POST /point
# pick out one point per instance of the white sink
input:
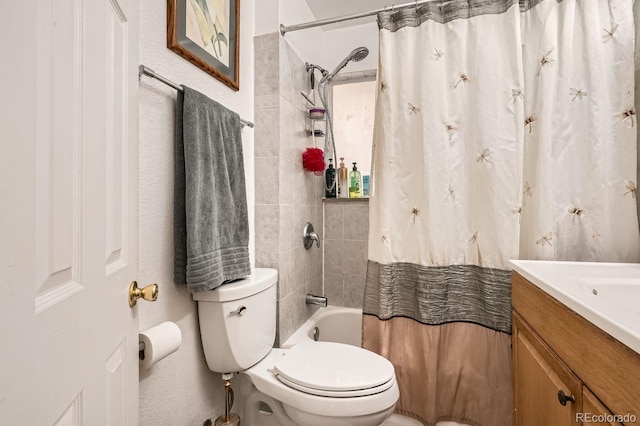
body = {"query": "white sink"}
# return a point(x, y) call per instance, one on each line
point(623, 292)
point(606, 294)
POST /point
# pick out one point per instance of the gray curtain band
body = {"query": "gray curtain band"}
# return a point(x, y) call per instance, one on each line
point(447, 11)
point(436, 295)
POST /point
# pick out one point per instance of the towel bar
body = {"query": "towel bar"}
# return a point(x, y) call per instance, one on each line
point(143, 69)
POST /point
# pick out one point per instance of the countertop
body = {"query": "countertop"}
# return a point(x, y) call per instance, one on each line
point(605, 294)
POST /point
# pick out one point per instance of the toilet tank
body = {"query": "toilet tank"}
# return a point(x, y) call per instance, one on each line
point(238, 321)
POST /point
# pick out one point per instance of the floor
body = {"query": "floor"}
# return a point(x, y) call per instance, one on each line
point(398, 420)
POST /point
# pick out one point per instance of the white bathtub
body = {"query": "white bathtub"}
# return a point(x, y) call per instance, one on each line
point(335, 324)
point(344, 325)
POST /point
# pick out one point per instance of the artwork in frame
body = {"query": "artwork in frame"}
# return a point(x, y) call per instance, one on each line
point(206, 33)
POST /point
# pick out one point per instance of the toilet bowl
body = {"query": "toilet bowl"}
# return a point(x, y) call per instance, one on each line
point(313, 383)
point(321, 383)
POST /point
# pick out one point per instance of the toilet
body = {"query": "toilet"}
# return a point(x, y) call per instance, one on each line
point(312, 383)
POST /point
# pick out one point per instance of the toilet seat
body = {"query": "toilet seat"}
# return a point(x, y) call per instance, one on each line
point(334, 370)
point(263, 377)
point(337, 394)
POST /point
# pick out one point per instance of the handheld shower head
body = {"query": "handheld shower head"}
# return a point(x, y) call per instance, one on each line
point(356, 55)
point(359, 54)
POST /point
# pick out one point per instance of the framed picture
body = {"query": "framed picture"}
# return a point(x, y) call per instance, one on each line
point(205, 32)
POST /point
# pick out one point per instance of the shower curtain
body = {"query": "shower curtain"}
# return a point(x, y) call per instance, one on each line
point(504, 129)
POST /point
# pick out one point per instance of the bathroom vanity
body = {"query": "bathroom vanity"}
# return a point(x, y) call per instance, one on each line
point(576, 343)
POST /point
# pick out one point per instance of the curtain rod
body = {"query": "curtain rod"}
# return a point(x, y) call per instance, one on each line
point(143, 69)
point(321, 22)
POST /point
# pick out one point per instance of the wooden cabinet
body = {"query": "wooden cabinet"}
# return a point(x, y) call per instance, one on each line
point(539, 376)
point(558, 356)
point(594, 411)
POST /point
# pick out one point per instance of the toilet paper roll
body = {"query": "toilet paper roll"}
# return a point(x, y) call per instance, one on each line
point(159, 342)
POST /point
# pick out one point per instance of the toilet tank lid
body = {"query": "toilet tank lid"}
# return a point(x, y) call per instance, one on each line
point(260, 280)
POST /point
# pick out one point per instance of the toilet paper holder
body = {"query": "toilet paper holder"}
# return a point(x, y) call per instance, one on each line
point(141, 351)
point(158, 342)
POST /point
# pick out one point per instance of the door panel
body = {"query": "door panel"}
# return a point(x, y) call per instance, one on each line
point(539, 376)
point(58, 123)
point(69, 228)
point(116, 139)
point(72, 416)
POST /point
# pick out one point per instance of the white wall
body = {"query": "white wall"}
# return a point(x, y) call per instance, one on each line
point(338, 43)
point(353, 115)
point(325, 47)
point(306, 43)
point(179, 390)
point(267, 16)
point(271, 13)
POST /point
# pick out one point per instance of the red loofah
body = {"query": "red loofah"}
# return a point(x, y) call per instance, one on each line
point(313, 160)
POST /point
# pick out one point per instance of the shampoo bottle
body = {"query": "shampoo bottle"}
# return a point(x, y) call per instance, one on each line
point(343, 180)
point(365, 186)
point(355, 183)
point(330, 181)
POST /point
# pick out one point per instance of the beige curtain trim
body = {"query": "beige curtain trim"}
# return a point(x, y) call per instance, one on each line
point(458, 372)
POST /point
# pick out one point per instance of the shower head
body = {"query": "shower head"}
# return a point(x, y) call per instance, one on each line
point(359, 54)
point(356, 55)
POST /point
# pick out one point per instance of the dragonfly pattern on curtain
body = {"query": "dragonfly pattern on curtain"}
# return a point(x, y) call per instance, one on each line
point(512, 136)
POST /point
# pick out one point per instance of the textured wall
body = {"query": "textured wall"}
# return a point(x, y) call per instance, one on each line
point(346, 234)
point(179, 390)
point(286, 195)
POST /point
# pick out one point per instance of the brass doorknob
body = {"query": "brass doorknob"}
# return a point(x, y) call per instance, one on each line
point(149, 293)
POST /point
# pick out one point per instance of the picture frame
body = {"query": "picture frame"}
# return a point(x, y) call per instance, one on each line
point(206, 33)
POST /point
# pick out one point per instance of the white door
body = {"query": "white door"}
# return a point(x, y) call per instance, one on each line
point(68, 212)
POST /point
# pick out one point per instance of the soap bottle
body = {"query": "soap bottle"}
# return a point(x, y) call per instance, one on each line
point(330, 181)
point(365, 186)
point(355, 183)
point(343, 180)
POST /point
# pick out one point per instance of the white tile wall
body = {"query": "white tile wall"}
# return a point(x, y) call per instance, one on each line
point(346, 234)
point(286, 195)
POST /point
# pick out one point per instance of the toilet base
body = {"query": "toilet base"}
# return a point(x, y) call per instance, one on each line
point(284, 415)
point(302, 418)
point(254, 416)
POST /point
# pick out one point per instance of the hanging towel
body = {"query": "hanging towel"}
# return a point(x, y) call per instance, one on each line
point(211, 234)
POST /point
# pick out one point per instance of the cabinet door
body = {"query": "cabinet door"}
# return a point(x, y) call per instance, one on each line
point(539, 376)
point(593, 410)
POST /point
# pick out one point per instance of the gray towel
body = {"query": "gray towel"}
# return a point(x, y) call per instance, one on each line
point(210, 208)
